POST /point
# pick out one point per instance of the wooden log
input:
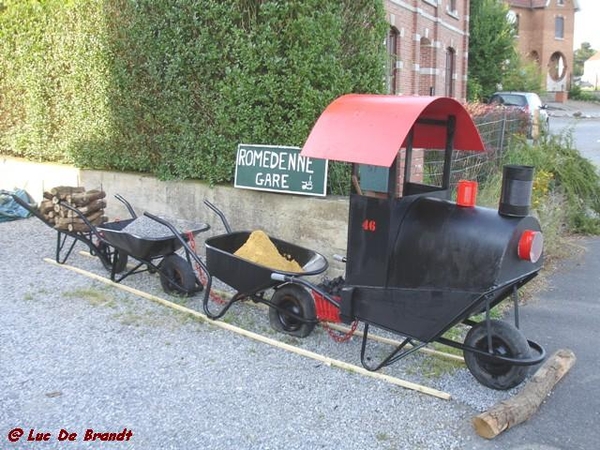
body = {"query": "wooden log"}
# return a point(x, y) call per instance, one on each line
point(60, 211)
point(63, 221)
point(61, 192)
point(47, 195)
point(46, 206)
point(91, 207)
point(522, 406)
point(94, 215)
point(83, 199)
point(82, 227)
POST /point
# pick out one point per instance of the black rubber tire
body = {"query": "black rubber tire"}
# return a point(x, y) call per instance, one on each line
point(177, 276)
point(294, 298)
point(507, 341)
point(112, 256)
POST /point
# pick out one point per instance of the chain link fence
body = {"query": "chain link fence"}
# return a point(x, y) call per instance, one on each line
point(497, 130)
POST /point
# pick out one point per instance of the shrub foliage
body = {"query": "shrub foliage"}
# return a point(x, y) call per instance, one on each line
point(170, 87)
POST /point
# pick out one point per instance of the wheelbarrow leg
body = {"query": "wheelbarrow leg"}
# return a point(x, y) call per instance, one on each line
point(61, 240)
point(515, 299)
point(394, 356)
point(214, 316)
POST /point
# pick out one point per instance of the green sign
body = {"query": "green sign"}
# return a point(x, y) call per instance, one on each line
point(279, 169)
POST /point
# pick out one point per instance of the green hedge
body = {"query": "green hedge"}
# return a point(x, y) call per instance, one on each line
point(170, 87)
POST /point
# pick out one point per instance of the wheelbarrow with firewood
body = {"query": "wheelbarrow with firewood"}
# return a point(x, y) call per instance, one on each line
point(150, 241)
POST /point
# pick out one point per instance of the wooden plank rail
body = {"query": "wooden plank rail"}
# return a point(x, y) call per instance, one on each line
point(260, 338)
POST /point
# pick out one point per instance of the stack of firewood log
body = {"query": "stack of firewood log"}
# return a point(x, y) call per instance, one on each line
point(89, 204)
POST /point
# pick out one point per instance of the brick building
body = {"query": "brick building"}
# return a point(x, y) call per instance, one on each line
point(545, 35)
point(427, 55)
point(428, 47)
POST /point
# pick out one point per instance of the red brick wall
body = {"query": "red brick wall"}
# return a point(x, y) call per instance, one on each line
point(429, 22)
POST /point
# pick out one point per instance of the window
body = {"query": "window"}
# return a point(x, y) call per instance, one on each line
point(557, 68)
point(451, 8)
point(427, 68)
point(534, 56)
point(560, 2)
point(513, 20)
point(450, 68)
point(559, 27)
point(392, 68)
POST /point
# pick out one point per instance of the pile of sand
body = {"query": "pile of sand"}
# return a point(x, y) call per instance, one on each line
point(261, 250)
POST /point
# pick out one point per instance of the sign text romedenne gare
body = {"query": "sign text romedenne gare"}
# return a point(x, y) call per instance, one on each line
point(279, 169)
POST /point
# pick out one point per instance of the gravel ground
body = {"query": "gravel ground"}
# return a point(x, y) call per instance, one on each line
point(77, 354)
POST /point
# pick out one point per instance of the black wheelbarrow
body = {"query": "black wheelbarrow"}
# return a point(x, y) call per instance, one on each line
point(112, 259)
point(114, 245)
point(292, 307)
point(157, 252)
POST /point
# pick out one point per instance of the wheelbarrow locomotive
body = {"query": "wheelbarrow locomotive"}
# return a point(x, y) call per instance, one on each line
point(418, 263)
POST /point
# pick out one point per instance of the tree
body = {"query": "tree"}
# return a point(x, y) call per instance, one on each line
point(491, 47)
point(582, 54)
point(522, 75)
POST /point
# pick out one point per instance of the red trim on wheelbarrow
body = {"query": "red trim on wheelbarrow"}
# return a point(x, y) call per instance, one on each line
point(371, 129)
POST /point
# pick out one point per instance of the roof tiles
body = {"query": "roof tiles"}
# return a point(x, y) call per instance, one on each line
point(528, 3)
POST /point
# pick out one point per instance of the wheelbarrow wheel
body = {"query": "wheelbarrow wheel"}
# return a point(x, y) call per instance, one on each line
point(112, 257)
point(507, 341)
point(177, 276)
point(297, 300)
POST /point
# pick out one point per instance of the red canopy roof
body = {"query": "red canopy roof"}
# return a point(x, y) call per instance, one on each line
point(371, 129)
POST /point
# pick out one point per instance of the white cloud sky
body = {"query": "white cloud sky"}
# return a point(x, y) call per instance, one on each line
point(587, 27)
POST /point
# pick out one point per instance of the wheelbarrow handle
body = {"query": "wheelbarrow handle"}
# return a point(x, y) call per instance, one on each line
point(219, 213)
point(127, 205)
point(82, 217)
point(279, 277)
point(339, 258)
point(30, 208)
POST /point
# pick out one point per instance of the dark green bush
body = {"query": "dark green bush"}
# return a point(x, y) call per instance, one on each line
point(171, 87)
point(571, 175)
point(576, 93)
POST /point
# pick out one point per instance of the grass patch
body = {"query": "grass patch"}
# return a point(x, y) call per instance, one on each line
point(433, 366)
point(382, 436)
point(94, 297)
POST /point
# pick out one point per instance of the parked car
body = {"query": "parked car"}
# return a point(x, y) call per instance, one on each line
point(528, 102)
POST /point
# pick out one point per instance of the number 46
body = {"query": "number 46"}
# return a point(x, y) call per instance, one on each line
point(369, 225)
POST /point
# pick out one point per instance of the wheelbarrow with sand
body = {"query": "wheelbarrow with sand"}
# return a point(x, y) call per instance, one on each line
point(255, 264)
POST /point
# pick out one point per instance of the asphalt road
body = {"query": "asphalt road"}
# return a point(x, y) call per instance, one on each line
point(565, 315)
point(586, 134)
